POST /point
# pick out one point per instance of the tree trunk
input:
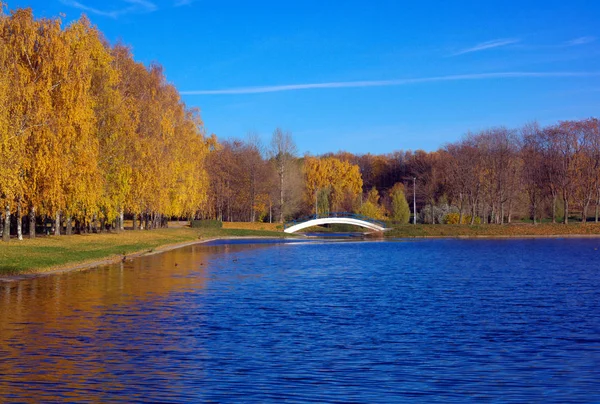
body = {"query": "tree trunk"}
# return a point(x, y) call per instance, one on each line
point(32, 222)
point(135, 221)
point(121, 221)
point(566, 219)
point(432, 215)
point(6, 232)
point(281, 197)
point(57, 224)
point(597, 205)
point(473, 211)
point(252, 198)
point(69, 225)
point(584, 213)
point(19, 222)
point(553, 208)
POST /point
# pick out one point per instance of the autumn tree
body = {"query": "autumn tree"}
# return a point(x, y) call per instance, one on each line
point(533, 167)
point(426, 167)
point(282, 153)
point(341, 178)
point(371, 207)
point(587, 162)
point(400, 211)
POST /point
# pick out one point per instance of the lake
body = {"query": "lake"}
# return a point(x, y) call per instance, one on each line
point(318, 321)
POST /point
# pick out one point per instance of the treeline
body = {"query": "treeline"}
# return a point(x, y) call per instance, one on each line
point(250, 181)
point(497, 175)
point(88, 135)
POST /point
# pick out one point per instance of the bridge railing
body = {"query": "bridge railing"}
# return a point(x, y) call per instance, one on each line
point(348, 215)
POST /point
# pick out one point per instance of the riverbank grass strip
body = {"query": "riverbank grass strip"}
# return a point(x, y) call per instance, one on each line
point(47, 253)
point(496, 231)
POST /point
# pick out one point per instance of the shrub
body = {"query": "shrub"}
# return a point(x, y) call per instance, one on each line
point(371, 210)
point(467, 220)
point(439, 213)
point(452, 218)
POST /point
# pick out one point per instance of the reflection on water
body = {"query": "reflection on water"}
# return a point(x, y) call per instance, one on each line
point(69, 334)
point(251, 321)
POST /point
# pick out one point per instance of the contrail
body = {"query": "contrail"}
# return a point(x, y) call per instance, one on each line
point(487, 45)
point(387, 83)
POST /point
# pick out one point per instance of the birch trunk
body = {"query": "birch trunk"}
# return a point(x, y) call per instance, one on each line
point(69, 225)
point(6, 232)
point(19, 222)
point(281, 196)
point(57, 224)
point(32, 222)
point(597, 205)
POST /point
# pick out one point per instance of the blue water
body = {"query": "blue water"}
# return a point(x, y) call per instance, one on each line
point(358, 321)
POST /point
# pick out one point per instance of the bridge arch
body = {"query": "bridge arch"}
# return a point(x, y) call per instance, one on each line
point(351, 219)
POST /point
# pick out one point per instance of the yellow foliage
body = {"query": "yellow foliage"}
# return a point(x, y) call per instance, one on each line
point(453, 218)
point(340, 176)
point(87, 131)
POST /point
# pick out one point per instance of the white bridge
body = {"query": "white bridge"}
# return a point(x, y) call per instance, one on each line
point(335, 218)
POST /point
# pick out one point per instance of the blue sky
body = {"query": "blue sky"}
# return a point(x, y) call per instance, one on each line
point(362, 76)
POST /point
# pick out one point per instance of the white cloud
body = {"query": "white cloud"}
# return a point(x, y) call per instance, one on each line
point(387, 83)
point(487, 45)
point(580, 41)
point(131, 6)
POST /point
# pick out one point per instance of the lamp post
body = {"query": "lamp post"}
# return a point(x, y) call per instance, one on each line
point(414, 201)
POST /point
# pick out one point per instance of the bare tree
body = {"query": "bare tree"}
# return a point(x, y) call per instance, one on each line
point(563, 139)
point(253, 164)
point(586, 161)
point(533, 167)
point(282, 153)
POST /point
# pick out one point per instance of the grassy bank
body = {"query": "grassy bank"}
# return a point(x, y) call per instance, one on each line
point(253, 226)
point(512, 230)
point(46, 253)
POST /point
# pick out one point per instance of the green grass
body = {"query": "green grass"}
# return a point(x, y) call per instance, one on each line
point(491, 230)
point(45, 253)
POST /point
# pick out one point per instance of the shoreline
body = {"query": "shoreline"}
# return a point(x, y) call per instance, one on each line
point(113, 259)
point(501, 236)
point(87, 265)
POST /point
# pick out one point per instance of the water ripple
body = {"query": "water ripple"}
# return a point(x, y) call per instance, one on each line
point(429, 321)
